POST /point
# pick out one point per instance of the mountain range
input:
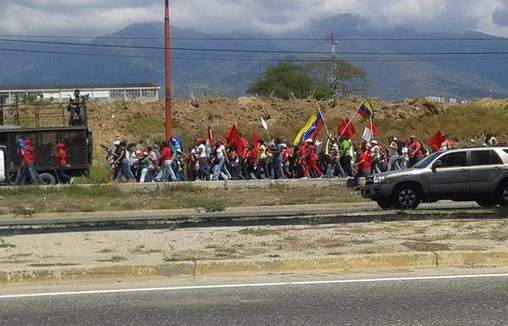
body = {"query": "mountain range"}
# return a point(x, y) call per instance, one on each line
point(399, 63)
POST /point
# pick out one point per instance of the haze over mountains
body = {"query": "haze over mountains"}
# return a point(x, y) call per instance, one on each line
point(399, 63)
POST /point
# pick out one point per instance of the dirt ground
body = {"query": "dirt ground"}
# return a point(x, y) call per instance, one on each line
point(171, 245)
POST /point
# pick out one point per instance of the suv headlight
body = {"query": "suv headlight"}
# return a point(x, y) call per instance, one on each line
point(379, 178)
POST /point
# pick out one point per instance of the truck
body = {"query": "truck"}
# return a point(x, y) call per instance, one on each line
point(78, 146)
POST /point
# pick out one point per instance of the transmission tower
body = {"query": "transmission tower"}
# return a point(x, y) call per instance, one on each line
point(333, 45)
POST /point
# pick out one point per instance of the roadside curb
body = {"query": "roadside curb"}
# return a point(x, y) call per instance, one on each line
point(344, 263)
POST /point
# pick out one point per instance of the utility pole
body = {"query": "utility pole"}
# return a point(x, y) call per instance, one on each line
point(333, 51)
point(167, 37)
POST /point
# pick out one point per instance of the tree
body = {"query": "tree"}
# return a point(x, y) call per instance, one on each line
point(285, 80)
point(342, 77)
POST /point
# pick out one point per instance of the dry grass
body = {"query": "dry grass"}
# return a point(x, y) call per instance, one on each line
point(109, 198)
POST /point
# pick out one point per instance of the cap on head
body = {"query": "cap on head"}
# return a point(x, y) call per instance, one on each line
point(412, 136)
point(309, 140)
point(116, 142)
point(60, 145)
point(283, 145)
point(374, 142)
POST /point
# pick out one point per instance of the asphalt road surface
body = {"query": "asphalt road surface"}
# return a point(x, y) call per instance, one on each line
point(430, 300)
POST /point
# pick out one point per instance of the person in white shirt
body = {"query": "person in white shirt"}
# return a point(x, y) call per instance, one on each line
point(393, 155)
point(202, 157)
point(375, 157)
point(222, 159)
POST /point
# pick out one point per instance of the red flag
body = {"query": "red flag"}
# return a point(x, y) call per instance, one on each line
point(346, 129)
point(209, 135)
point(232, 133)
point(436, 140)
point(373, 129)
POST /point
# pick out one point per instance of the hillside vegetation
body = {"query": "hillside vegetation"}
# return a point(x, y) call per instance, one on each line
point(144, 123)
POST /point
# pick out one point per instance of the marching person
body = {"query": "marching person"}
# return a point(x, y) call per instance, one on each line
point(310, 159)
point(61, 162)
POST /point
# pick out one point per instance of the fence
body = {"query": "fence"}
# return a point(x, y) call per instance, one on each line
point(39, 115)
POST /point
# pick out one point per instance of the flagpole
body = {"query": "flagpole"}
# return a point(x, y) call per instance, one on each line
point(324, 121)
point(351, 120)
point(371, 128)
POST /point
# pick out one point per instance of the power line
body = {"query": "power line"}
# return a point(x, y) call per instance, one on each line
point(249, 51)
point(290, 39)
point(257, 58)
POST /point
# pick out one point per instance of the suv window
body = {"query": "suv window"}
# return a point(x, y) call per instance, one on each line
point(453, 160)
point(485, 157)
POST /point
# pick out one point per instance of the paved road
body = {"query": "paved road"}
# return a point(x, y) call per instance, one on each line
point(435, 300)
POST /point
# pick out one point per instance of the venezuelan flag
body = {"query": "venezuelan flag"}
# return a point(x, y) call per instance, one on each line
point(311, 128)
point(365, 110)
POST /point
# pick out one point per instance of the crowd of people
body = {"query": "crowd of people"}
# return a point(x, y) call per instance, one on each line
point(239, 160)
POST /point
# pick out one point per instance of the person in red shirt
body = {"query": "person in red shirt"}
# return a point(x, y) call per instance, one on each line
point(362, 164)
point(241, 146)
point(310, 158)
point(61, 162)
point(30, 163)
point(415, 152)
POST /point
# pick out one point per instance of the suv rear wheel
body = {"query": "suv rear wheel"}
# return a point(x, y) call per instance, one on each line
point(406, 196)
point(502, 194)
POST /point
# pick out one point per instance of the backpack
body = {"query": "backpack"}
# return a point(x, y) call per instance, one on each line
point(424, 150)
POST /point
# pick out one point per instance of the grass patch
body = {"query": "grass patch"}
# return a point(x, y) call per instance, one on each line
point(425, 246)
point(4, 244)
point(105, 251)
point(114, 259)
point(99, 174)
point(212, 206)
point(258, 232)
point(138, 126)
point(143, 250)
point(22, 210)
point(53, 265)
point(499, 235)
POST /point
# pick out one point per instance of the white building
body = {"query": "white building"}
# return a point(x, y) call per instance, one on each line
point(143, 92)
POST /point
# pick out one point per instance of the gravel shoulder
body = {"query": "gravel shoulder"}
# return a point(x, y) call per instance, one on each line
point(151, 247)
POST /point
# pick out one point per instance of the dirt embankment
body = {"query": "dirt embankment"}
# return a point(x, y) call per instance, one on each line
point(144, 124)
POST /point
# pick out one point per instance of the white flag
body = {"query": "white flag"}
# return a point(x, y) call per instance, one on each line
point(264, 124)
point(367, 135)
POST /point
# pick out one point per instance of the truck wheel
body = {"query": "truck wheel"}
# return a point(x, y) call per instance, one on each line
point(47, 179)
point(384, 203)
point(486, 202)
point(406, 196)
point(502, 194)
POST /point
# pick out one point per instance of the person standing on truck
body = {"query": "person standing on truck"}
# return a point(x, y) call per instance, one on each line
point(61, 163)
point(74, 108)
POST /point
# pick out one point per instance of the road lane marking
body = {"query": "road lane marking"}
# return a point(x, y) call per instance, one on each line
point(251, 285)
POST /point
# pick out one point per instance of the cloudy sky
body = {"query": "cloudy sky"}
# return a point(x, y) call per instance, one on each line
point(99, 17)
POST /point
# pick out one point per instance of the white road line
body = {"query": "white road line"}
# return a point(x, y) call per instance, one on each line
point(248, 285)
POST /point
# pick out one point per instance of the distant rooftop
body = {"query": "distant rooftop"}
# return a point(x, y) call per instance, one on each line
point(77, 86)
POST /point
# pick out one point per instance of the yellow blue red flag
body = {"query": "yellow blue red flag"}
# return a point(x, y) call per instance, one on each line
point(365, 110)
point(311, 128)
